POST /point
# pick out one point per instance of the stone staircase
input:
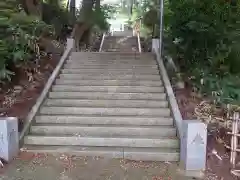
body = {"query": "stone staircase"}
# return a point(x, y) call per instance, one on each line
point(123, 33)
point(120, 44)
point(107, 104)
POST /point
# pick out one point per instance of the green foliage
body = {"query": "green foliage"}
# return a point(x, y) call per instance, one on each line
point(224, 89)
point(98, 18)
point(204, 37)
point(18, 38)
point(207, 45)
point(150, 18)
point(109, 10)
point(207, 26)
point(136, 14)
point(101, 16)
point(55, 14)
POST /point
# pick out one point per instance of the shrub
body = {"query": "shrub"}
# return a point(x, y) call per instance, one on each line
point(18, 38)
point(208, 44)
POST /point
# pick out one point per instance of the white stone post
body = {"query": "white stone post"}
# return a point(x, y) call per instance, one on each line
point(71, 44)
point(9, 138)
point(193, 145)
point(155, 45)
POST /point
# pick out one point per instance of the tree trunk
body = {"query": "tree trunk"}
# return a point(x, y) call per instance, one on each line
point(131, 7)
point(97, 5)
point(73, 11)
point(84, 22)
point(33, 7)
point(86, 11)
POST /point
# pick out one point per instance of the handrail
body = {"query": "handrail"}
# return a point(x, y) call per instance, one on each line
point(139, 43)
point(103, 37)
point(137, 28)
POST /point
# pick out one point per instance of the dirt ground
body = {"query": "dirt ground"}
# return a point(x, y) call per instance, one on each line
point(18, 97)
point(62, 167)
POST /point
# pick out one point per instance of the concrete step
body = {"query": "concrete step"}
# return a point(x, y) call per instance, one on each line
point(106, 95)
point(110, 65)
point(130, 49)
point(99, 68)
point(101, 141)
point(107, 54)
point(110, 55)
point(110, 89)
point(104, 62)
point(110, 48)
point(90, 111)
point(110, 77)
point(102, 131)
point(137, 154)
point(108, 83)
point(105, 103)
point(96, 73)
point(125, 47)
point(114, 59)
point(120, 43)
point(105, 120)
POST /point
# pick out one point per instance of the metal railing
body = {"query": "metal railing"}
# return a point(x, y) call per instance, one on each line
point(139, 43)
point(101, 45)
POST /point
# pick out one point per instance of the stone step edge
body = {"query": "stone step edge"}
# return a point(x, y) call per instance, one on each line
point(162, 142)
point(147, 83)
point(112, 76)
point(116, 89)
point(111, 66)
point(75, 125)
point(63, 110)
point(114, 120)
point(158, 95)
point(103, 131)
point(137, 154)
point(79, 71)
point(98, 68)
point(102, 128)
point(104, 53)
point(101, 62)
point(137, 60)
point(150, 132)
point(105, 103)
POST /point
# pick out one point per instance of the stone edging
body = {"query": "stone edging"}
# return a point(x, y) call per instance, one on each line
point(170, 94)
point(192, 153)
point(31, 115)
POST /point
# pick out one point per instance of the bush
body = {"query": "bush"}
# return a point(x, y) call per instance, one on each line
point(19, 36)
point(208, 44)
